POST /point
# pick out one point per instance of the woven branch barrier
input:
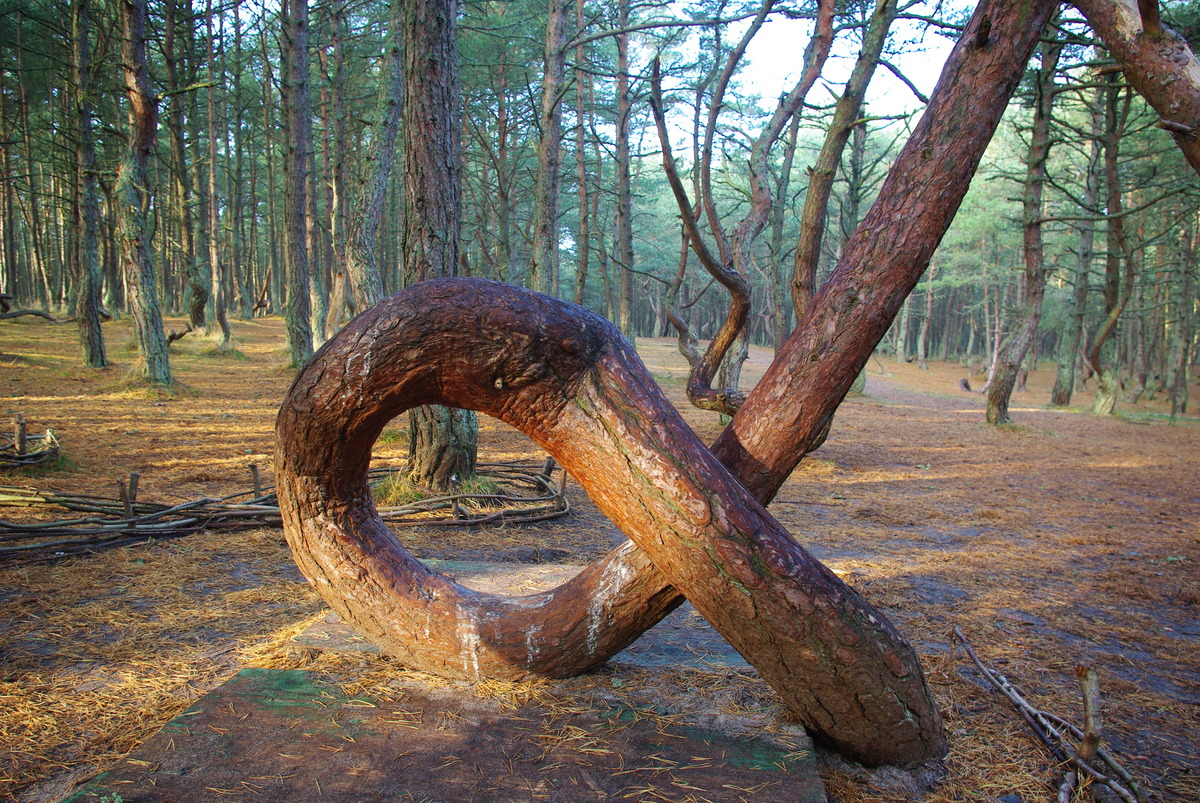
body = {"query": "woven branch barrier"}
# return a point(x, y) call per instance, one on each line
point(526, 493)
point(19, 449)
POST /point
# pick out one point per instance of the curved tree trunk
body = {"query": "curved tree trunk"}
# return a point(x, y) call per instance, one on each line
point(1158, 63)
point(571, 382)
point(1117, 291)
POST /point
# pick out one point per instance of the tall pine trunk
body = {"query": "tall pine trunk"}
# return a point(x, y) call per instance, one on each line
point(443, 442)
point(624, 212)
point(543, 268)
point(1117, 290)
point(218, 268)
point(362, 261)
point(1008, 361)
point(1182, 321)
point(133, 193)
point(297, 308)
point(91, 337)
point(1069, 343)
point(197, 294)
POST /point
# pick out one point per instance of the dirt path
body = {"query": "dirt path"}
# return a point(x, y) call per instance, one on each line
point(1063, 539)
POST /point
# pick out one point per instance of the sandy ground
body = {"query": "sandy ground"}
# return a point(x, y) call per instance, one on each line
point(1063, 539)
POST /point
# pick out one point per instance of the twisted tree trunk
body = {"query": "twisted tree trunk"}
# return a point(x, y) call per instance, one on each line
point(839, 667)
point(573, 383)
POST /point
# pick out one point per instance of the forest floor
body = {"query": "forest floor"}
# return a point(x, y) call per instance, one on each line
point(1063, 539)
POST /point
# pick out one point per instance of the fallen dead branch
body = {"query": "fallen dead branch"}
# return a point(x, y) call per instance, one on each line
point(1086, 758)
point(173, 335)
point(20, 313)
point(525, 494)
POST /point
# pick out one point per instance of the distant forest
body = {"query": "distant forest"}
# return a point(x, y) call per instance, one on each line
point(620, 156)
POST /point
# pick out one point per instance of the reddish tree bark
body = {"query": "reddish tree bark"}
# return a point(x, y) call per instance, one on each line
point(573, 383)
point(1158, 63)
point(886, 255)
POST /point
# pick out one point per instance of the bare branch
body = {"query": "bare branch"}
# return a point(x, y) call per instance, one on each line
point(4, 316)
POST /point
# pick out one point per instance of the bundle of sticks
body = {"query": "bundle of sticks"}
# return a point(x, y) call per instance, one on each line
point(1077, 749)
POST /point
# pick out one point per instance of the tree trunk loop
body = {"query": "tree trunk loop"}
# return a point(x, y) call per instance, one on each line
point(571, 382)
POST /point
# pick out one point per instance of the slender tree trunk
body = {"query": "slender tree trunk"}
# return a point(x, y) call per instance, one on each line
point(995, 335)
point(1117, 253)
point(624, 212)
point(1183, 320)
point(780, 309)
point(443, 442)
point(218, 268)
point(582, 81)
point(926, 320)
point(340, 276)
point(276, 272)
point(318, 252)
point(133, 190)
point(242, 238)
point(1069, 343)
point(902, 327)
point(30, 206)
point(362, 262)
point(1008, 361)
point(87, 205)
point(543, 268)
point(297, 309)
point(13, 274)
point(845, 115)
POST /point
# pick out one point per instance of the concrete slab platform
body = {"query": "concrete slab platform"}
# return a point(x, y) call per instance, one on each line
point(683, 639)
point(277, 735)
